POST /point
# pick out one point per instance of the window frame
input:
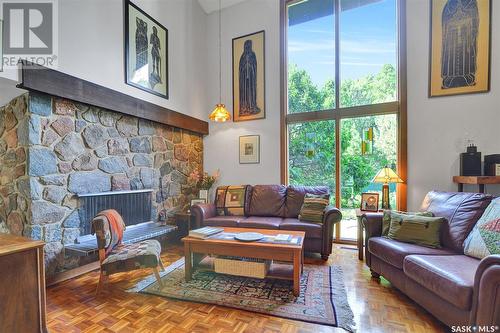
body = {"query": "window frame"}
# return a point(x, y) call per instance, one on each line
point(398, 107)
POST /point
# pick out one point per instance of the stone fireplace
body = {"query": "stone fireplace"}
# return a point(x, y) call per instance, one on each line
point(53, 149)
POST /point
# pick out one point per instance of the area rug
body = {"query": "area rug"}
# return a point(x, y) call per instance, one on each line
point(322, 299)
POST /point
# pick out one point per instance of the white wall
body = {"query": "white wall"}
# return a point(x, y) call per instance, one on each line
point(222, 145)
point(91, 40)
point(438, 128)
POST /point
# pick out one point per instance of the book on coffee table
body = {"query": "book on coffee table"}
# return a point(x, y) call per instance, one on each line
point(205, 232)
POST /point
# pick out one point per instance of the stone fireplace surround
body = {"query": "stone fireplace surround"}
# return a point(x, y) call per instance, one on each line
point(52, 149)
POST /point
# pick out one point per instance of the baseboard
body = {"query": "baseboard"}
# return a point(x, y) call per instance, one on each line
point(72, 273)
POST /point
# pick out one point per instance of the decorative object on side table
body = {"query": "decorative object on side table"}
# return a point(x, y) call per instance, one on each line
point(249, 77)
point(460, 47)
point(492, 165)
point(369, 202)
point(385, 176)
point(198, 201)
point(470, 161)
point(250, 149)
point(146, 51)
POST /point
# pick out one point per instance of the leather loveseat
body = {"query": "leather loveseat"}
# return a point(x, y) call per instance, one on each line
point(276, 207)
point(455, 288)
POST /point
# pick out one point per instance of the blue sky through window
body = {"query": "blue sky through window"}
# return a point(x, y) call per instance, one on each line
point(367, 42)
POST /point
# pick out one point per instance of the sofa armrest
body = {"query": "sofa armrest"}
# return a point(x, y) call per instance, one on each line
point(372, 223)
point(202, 212)
point(331, 216)
point(486, 302)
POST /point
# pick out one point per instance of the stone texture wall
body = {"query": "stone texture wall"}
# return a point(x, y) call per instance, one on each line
point(14, 192)
point(73, 148)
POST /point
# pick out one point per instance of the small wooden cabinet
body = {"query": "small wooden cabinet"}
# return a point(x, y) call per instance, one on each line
point(22, 285)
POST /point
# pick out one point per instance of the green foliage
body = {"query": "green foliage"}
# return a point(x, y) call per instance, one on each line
point(312, 144)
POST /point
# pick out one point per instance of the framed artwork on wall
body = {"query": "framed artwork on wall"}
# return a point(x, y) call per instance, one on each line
point(146, 51)
point(249, 89)
point(250, 149)
point(460, 49)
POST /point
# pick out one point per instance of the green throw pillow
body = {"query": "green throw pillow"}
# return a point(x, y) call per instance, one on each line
point(386, 219)
point(313, 208)
point(484, 239)
point(421, 230)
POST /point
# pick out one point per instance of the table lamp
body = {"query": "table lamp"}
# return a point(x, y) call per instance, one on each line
point(385, 176)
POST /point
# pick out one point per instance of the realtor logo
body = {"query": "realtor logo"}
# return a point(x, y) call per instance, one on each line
point(29, 32)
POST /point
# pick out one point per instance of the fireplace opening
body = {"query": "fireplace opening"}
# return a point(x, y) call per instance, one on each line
point(134, 206)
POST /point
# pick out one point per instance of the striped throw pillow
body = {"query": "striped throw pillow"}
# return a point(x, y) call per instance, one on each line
point(313, 207)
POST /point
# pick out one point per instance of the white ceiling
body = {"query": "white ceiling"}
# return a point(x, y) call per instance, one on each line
point(210, 6)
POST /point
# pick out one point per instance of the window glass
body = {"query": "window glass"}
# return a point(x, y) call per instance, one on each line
point(368, 52)
point(311, 150)
point(311, 56)
point(367, 145)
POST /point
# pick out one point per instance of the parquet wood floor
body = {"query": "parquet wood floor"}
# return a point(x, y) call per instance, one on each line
point(73, 307)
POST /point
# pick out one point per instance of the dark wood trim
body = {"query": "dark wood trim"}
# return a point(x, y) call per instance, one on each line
point(52, 82)
point(283, 94)
point(402, 188)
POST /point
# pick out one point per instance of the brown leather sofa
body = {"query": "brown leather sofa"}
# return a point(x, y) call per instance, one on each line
point(457, 289)
point(277, 207)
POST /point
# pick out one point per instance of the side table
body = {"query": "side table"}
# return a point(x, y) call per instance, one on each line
point(184, 222)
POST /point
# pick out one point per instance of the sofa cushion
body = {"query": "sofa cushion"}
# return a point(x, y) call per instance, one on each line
point(449, 277)
point(268, 200)
point(484, 239)
point(223, 221)
point(312, 230)
point(461, 211)
point(232, 200)
point(421, 230)
point(313, 208)
point(394, 252)
point(261, 222)
point(295, 197)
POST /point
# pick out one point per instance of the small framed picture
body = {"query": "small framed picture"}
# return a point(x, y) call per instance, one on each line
point(198, 201)
point(369, 202)
point(250, 149)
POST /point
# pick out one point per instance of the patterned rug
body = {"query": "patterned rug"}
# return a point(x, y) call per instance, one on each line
point(322, 299)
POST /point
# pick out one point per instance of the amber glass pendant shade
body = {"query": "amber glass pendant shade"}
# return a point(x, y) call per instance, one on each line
point(220, 114)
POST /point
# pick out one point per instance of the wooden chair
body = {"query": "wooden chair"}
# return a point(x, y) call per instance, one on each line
point(115, 257)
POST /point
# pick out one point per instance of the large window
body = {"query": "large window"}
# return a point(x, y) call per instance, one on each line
point(342, 120)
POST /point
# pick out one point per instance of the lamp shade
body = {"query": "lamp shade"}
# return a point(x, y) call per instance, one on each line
point(387, 175)
point(220, 114)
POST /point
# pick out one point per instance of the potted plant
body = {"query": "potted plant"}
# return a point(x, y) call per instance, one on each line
point(202, 182)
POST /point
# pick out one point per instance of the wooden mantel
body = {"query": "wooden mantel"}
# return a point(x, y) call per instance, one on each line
point(49, 81)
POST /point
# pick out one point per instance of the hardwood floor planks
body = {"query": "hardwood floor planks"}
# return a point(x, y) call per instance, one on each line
point(73, 307)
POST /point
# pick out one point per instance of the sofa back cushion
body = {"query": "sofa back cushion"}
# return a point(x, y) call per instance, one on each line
point(295, 197)
point(268, 200)
point(461, 211)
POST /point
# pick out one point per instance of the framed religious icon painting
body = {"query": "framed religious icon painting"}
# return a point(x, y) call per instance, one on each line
point(249, 101)
point(250, 149)
point(146, 51)
point(369, 202)
point(460, 49)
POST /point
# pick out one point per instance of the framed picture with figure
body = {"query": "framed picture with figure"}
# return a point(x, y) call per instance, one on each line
point(250, 149)
point(369, 202)
point(249, 89)
point(146, 51)
point(460, 49)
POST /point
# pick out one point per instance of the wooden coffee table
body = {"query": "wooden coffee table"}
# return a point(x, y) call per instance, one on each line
point(196, 249)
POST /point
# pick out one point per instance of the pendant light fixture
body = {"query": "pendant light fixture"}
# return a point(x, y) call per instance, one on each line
point(220, 113)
